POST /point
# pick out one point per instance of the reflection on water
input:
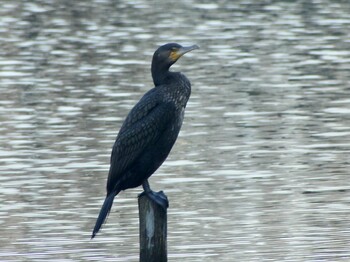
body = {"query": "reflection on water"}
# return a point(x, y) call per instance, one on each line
point(260, 170)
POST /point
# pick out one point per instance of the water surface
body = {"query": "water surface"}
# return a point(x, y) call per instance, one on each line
point(260, 170)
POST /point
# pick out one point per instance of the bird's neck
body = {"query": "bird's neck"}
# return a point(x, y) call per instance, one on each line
point(165, 78)
point(160, 74)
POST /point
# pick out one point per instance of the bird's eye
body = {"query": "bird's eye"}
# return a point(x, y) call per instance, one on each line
point(173, 49)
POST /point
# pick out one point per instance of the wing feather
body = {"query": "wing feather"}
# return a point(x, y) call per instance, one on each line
point(143, 126)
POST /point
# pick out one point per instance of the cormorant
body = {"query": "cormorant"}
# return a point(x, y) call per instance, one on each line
point(149, 131)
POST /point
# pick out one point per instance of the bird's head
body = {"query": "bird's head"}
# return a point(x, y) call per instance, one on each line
point(166, 55)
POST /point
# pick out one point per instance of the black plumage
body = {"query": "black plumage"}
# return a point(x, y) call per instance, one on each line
point(149, 131)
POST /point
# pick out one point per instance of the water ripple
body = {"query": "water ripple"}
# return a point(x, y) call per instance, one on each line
point(260, 169)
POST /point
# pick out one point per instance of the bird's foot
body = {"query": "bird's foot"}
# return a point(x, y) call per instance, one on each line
point(158, 197)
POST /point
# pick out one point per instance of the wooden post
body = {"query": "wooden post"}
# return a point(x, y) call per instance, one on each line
point(153, 231)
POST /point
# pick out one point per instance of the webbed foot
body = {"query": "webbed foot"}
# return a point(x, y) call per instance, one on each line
point(158, 197)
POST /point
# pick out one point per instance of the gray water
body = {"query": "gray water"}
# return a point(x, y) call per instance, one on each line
point(260, 169)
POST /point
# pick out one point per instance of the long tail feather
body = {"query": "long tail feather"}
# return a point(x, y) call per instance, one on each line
point(106, 207)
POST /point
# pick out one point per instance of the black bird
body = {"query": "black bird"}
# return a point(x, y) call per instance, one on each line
point(149, 131)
